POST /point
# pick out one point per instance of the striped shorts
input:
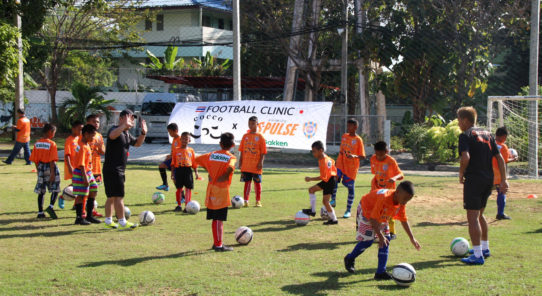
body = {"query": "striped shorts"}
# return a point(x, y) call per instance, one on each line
point(44, 176)
point(79, 187)
point(364, 228)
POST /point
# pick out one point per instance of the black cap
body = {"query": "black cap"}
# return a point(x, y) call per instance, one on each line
point(126, 112)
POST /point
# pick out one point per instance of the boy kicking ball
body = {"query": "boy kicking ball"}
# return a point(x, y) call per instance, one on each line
point(374, 211)
point(328, 173)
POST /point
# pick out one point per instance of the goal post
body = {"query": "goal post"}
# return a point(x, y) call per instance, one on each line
point(521, 116)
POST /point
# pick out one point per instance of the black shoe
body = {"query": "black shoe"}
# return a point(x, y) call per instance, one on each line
point(73, 208)
point(51, 213)
point(41, 216)
point(81, 221)
point(4, 161)
point(382, 276)
point(185, 211)
point(91, 219)
point(503, 217)
point(349, 264)
point(331, 222)
point(28, 163)
point(224, 248)
point(309, 212)
point(178, 209)
point(393, 236)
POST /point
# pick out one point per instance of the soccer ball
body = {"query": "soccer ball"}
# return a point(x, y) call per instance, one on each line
point(403, 274)
point(67, 193)
point(301, 218)
point(158, 198)
point(192, 207)
point(237, 202)
point(459, 246)
point(324, 214)
point(127, 213)
point(146, 218)
point(244, 235)
point(513, 152)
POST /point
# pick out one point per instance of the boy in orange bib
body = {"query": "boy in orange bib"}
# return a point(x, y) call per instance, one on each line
point(253, 150)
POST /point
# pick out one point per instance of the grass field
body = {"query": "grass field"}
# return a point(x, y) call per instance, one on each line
point(173, 257)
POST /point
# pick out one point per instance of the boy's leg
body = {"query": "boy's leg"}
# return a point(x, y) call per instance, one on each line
point(178, 194)
point(109, 213)
point(329, 209)
point(79, 201)
point(365, 236)
point(16, 148)
point(246, 191)
point(349, 184)
point(334, 193)
point(40, 205)
point(501, 203)
point(90, 208)
point(383, 253)
point(163, 174)
point(218, 229)
point(258, 189)
point(26, 148)
point(312, 198)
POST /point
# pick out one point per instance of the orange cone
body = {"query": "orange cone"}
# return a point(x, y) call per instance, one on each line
point(531, 196)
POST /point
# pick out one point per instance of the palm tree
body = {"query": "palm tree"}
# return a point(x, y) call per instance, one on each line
point(86, 100)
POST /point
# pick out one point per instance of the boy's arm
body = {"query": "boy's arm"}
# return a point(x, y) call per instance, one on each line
point(382, 240)
point(308, 179)
point(259, 166)
point(68, 162)
point(406, 227)
point(52, 176)
point(463, 164)
point(240, 157)
point(503, 187)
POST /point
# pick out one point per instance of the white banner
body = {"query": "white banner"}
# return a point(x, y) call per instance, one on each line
point(290, 125)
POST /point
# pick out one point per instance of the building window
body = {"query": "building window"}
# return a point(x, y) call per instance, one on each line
point(148, 25)
point(160, 22)
point(221, 24)
point(206, 20)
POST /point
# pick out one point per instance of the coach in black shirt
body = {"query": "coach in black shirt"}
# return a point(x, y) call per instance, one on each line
point(119, 141)
point(477, 148)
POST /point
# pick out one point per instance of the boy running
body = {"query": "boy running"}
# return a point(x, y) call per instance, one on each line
point(183, 160)
point(220, 165)
point(327, 178)
point(252, 150)
point(374, 211)
point(69, 152)
point(500, 137)
point(352, 150)
point(44, 155)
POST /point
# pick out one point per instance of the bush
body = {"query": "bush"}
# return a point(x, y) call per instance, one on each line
point(434, 141)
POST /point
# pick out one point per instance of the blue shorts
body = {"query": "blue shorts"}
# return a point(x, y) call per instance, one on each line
point(167, 163)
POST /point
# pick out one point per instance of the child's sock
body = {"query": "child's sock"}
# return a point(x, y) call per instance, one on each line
point(108, 220)
point(485, 245)
point(78, 210)
point(360, 248)
point(477, 251)
point(312, 197)
point(188, 196)
point(332, 215)
point(40, 203)
point(122, 222)
point(217, 232)
point(53, 199)
point(178, 196)
point(351, 195)
point(383, 258)
point(501, 202)
point(246, 192)
point(258, 189)
point(334, 192)
point(90, 207)
point(163, 174)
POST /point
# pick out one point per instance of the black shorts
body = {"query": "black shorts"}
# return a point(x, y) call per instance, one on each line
point(184, 178)
point(220, 214)
point(328, 186)
point(476, 191)
point(247, 177)
point(114, 183)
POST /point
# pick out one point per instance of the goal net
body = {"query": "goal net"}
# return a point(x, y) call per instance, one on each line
point(522, 117)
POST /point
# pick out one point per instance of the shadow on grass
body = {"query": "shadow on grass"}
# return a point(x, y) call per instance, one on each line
point(33, 227)
point(330, 282)
point(136, 260)
point(534, 231)
point(315, 246)
point(277, 225)
point(45, 234)
point(459, 223)
point(17, 213)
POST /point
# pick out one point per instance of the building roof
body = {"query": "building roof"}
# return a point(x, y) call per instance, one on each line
point(216, 4)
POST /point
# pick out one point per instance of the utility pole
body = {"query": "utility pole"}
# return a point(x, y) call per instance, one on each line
point(291, 78)
point(19, 82)
point(236, 52)
point(533, 89)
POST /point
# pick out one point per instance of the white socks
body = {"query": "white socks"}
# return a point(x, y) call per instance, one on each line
point(313, 202)
point(477, 251)
point(332, 215)
point(485, 245)
point(108, 220)
point(122, 222)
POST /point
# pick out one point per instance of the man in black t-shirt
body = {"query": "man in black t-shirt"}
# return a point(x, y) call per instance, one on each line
point(477, 147)
point(119, 141)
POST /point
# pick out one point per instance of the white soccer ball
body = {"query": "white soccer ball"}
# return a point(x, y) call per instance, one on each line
point(192, 207)
point(127, 213)
point(67, 193)
point(513, 152)
point(146, 218)
point(158, 198)
point(459, 246)
point(403, 274)
point(237, 202)
point(244, 235)
point(324, 214)
point(301, 218)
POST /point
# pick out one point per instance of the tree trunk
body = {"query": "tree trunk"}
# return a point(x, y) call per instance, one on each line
point(381, 111)
point(352, 104)
point(419, 111)
point(52, 96)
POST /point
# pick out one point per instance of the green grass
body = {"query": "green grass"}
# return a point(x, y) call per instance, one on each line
point(173, 257)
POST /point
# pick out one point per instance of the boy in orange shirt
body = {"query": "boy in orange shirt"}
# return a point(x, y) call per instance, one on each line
point(84, 184)
point(220, 165)
point(386, 172)
point(253, 150)
point(69, 151)
point(98, 149)
point(352, 150)
point(22, 140)
point(500, 137)
point(374, 211)
point(183, 160)
point(44, 155)
point(328, 181)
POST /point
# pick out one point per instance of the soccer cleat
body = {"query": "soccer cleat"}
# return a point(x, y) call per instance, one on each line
point(258, 204)
point(185, 211)
point(91, 219)
point(393, 236)
point(349, 264)
point(503, 217)
point(61, 203)
point(5, 161)
point(178, 209)
point(163, 187)
point(51, 213)
point(473, 260)
point(347, 214)
point(331, 222)
point(382, 276)
point(128, 226)
point(41, 216)
point(96, 214)
point(308, 212)
point(485, 253)
point(246, 204)
point(81, 221)
point(113, 225)
point(224, 248)
point(332, 203)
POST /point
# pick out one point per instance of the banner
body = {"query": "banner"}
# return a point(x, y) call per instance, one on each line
point(288, 125)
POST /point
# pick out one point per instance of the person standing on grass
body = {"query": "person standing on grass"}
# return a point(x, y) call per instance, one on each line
point(119, 141)
point(500, 138)
point(69, 151)
point(253, 150)
point(183, 162)
point(98, 149)
point(477, 147)
point(22, 140)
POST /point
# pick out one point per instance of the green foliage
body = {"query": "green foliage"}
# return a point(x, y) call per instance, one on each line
point(88, 68)
point(170, 65)
point(86, 100)
point(434, 141)
point(9, 54)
